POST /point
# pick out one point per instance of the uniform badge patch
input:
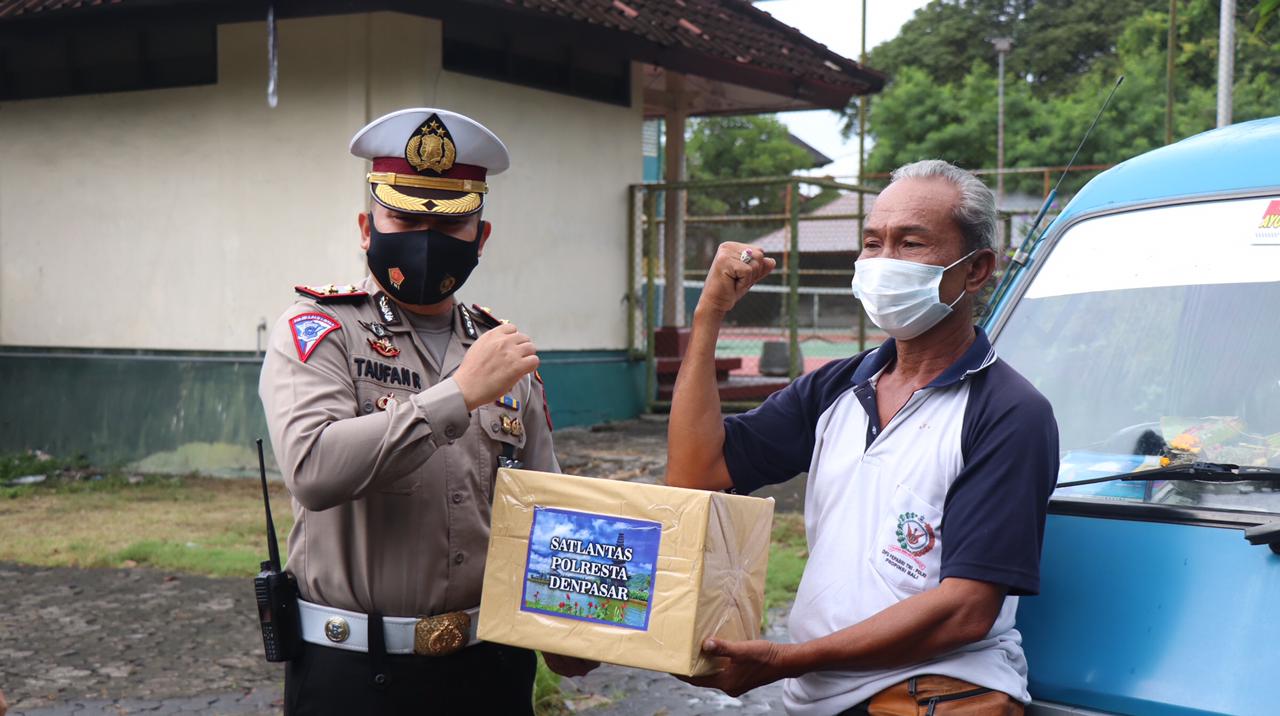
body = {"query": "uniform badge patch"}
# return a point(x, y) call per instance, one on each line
point(377, 329)
point(915, 534)
point(383, 347)
point(396, 276)
point(309, 329)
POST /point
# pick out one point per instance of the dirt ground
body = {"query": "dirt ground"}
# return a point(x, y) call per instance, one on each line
point(117, 641)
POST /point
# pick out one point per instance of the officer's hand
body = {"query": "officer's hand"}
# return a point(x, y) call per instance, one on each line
point(568, 665)
point(730, 277)
point(493, 364)
point(4, 705)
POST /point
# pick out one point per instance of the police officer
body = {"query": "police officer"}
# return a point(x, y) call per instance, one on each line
point(390, 407)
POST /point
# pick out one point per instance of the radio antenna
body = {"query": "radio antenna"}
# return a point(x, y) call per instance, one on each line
point(1019, 258)
point(273, 549)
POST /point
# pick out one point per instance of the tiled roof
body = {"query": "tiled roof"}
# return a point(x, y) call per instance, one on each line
point(733, 34)
point(14, 8)
point(732, 30)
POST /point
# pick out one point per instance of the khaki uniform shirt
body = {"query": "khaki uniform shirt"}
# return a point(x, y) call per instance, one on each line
point(391, 477)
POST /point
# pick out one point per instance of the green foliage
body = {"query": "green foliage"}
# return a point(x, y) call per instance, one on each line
point(736, 148)
point(942, 99)
point(547, 699)
point(788, 552)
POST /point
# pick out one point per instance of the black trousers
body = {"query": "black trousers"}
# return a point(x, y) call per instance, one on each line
point(482, 679)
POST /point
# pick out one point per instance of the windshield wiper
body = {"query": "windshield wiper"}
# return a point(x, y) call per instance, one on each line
point(1202, 471)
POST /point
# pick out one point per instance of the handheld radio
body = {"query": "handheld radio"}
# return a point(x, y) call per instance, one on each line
point(276, 591)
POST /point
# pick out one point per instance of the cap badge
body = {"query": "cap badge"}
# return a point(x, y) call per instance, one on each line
point(396, 276)
point(431, 147)
point(447, 284)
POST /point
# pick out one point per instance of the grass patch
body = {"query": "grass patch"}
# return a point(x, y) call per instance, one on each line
point(547, 699)
point(195, 525)
point(82, 518)
point(788, 552)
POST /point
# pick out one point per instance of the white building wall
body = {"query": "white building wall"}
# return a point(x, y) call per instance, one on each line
point(178, 219)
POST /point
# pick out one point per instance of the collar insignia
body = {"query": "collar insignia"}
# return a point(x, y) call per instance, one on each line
point(431, 148)
point(387, 309)
point(468, 324)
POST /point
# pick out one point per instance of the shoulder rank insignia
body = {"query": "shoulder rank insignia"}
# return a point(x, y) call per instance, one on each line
point(508, 401)
point(309, 329)
point(332, 292)
point(468, 323)
point(383, 347)
point(485, 316)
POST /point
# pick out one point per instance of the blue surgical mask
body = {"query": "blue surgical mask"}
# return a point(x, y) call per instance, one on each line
point(901, 297)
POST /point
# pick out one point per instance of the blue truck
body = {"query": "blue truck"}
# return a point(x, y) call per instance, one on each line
point(1149, 314)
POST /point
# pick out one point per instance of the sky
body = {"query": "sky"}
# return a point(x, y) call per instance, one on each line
point(838, 25)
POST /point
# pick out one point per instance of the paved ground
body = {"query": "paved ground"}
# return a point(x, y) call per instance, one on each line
point(121, 641)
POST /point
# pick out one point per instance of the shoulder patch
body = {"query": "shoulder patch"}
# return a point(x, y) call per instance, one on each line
point(309, 329)
point(485, 316)
point(332, 292)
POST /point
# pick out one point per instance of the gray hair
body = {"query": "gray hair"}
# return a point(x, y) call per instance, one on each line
point(975, 213)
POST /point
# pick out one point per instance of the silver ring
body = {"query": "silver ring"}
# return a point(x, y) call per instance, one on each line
point(745, 256)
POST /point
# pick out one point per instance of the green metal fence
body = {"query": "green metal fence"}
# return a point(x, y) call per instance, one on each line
point(803, 314)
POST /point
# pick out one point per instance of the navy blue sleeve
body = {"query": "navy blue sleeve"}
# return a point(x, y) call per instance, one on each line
point(774, 442)
point(993, 518)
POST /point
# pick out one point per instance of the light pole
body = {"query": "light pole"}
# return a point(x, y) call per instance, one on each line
point(1003, 45)
point(1226, 60)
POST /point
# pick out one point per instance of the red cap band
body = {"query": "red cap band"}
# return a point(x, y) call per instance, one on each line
point(398, 165)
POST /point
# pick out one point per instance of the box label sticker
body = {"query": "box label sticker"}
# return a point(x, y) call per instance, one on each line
point(591, 567)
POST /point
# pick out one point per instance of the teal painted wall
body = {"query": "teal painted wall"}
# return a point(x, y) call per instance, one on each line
point(184, 412)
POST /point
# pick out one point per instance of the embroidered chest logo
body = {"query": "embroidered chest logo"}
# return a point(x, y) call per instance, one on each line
point(308, 330)
point(915, 534)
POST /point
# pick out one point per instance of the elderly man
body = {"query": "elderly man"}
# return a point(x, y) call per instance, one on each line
point(391, 405)
point(930, 465)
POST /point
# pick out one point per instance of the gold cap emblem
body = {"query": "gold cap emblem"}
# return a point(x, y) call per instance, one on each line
point(431, 148)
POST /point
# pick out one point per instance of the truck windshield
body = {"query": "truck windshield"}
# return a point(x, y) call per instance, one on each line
point(1156, 336)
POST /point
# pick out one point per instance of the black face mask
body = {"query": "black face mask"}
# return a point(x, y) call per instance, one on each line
point(421, 267)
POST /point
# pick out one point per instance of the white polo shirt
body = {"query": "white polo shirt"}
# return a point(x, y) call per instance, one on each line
point(956, 485)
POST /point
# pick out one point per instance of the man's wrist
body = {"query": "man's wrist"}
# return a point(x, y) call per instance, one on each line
point(703, 313)
point(791, 661)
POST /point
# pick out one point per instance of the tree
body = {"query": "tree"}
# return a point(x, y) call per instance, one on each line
point(941, 111)
point(736, 148)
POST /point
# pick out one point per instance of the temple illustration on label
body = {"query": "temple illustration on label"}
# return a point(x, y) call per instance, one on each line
point(592, 567)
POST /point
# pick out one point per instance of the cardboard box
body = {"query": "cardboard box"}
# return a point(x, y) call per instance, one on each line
point(625, 573)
